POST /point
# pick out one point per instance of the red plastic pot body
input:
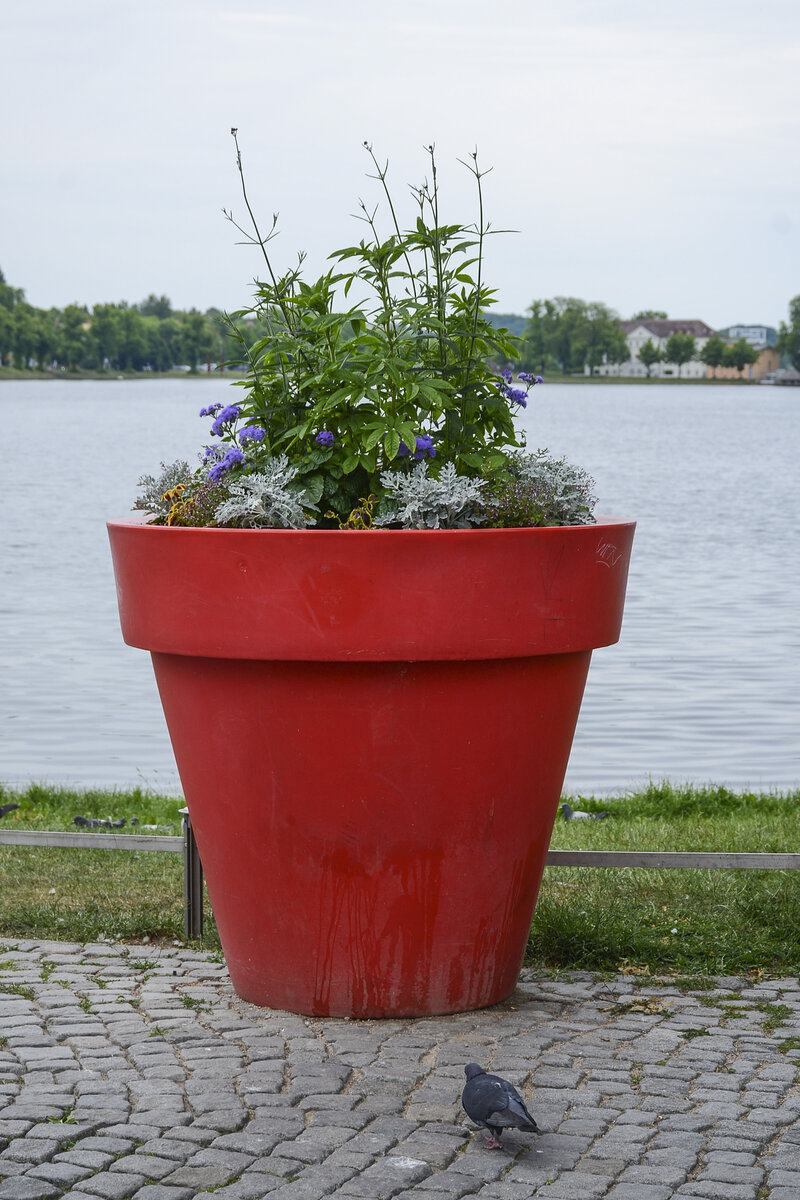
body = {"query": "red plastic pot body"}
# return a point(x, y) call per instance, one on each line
point(372, 730)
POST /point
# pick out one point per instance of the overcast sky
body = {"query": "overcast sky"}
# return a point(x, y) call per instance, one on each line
point(647, 153)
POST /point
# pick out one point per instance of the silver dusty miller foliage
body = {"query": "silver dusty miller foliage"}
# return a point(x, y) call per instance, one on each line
point(417, 501)
point(267, 499)
point(154, 487)
point(564, 492)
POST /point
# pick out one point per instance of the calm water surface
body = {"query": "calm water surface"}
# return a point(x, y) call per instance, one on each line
point(704, 684)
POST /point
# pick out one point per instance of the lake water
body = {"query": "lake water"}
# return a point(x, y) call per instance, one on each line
point(704, 685)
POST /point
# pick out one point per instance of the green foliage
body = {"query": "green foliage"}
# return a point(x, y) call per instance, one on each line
point(789, 334)
point(739, 354)
point(680, 349)
point(150, 336)
point(384, 353)
point(568, 334)
point(649, 355)
point(649, 314)
point(713, 353)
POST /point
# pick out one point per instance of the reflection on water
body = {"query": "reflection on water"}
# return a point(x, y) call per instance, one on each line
point(701, 687)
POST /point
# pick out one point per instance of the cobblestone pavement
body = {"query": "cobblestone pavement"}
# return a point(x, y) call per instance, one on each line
point(134, 1071)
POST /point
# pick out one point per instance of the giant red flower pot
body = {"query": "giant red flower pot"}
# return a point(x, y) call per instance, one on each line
point(372, 730)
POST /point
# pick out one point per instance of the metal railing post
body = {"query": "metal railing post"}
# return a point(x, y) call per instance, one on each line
point(192, 881)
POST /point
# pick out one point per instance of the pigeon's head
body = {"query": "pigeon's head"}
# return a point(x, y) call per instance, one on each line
point(472, 1069)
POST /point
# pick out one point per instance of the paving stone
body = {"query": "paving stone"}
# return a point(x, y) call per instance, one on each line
point(385, 1178)
point(639, 1191)
point(575, 1186)
point(788, 1179)
point(27, 1188)
point(112, 1186)
point(60, 1173)
point(206, 1106)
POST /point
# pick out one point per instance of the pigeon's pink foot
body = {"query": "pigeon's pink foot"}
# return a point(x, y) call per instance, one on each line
point(492, 1143)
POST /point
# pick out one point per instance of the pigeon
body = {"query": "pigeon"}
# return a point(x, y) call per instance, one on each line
point(575, 814)
point(5, 809)
point(97, 823)
point(492, 1102)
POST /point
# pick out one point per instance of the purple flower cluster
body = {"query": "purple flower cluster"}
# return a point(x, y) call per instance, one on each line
point(231, 412)
point(211, 411)
point(324, 438)
point(517, 395)
point(222, 460)
point(423, 448)
point(252, 433)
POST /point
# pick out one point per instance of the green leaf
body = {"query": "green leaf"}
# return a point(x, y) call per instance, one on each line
point(313, 485)
point(392, 444)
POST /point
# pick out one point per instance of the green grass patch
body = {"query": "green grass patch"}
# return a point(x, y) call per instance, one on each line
point(689, 924)
point(82, 895)
point(693, 923)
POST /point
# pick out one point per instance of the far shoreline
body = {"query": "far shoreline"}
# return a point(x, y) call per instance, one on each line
point(10, 375)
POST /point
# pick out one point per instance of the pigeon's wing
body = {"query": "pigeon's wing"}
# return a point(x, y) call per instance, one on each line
point(515, 1114)
point(482, 1097)
point(512, 1112)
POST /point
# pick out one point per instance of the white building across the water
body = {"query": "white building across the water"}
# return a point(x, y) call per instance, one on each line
point(659, 330)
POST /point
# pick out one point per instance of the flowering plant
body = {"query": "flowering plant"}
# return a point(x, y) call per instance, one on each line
point(369, 399)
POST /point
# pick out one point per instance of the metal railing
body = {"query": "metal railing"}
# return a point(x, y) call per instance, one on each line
point(193, 868)
point(185, 845)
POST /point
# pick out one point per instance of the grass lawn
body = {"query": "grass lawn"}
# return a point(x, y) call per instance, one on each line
point(685, 922)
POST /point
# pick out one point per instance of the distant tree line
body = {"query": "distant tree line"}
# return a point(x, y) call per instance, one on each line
point(789, 334)
point(566, 335)
point(563, 335)
point(150, 336)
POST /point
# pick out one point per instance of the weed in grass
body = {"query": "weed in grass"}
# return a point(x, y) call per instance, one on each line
point(197, 1005)
point(694, 983)
point(689, 1034)
point(66, 1118)
point(8, 966)
point(157, 1031)
point(86, 1004)
point(3, 1040)
point(790, 1043)
point(68, 1145)
point(101, 983)
point(18, 989)
point(776, 1015)
point(46, 971)
point(734, 1012)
